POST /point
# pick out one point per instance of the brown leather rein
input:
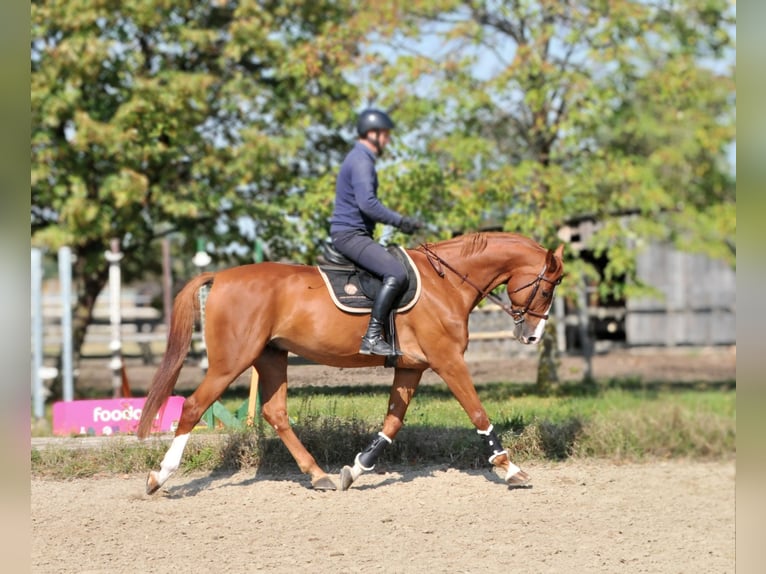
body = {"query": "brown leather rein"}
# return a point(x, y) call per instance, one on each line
point(516, 314)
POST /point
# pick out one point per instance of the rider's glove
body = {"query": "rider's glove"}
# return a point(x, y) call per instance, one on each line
point(410, 225)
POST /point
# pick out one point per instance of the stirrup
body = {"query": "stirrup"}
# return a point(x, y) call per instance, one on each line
point(377, 346)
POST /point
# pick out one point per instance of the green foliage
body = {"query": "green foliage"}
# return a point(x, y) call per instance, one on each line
point(152, 118)
point(226, 121)
point(544, 112)
point(156, 119)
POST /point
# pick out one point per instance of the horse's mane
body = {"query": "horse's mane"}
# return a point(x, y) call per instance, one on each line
point(476, 242)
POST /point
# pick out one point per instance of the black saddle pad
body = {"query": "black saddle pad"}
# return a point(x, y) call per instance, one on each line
point(353, 289)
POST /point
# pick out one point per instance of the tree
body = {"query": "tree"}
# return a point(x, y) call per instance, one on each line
point(536, 113)
point(184, 118)
point(187, 118)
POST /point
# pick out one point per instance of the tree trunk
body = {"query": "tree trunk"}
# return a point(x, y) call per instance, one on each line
point(586, 342)
point(548, 363)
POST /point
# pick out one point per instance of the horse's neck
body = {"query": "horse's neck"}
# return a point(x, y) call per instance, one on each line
point(488, 260)
point(493, 256)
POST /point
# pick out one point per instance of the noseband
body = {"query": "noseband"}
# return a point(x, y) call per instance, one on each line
point(516, 314)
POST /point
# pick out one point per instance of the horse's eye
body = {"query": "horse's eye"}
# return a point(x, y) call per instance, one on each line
point(546, 294)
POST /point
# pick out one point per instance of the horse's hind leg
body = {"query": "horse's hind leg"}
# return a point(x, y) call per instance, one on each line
point(215, 382)
point(272, 372)
point(402, 391)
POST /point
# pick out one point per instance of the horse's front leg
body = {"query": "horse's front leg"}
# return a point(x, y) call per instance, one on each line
point(455, 373)
point(402, 391)
point(272, 371)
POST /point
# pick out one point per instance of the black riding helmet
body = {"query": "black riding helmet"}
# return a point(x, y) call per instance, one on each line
point(372, 119)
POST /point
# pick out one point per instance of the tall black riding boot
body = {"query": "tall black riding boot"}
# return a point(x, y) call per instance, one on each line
point(373, 342)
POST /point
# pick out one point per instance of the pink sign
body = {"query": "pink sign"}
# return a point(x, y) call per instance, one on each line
point(111, 416)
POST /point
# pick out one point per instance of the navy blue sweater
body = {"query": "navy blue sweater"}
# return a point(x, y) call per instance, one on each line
point(356, 195)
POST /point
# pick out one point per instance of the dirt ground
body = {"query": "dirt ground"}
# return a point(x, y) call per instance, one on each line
point(579, 516)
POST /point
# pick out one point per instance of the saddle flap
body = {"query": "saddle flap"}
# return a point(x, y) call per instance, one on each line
point(353, 289)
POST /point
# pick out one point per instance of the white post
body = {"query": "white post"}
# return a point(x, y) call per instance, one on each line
point(201, 260)
point(203, 361)
point(38, 393)
point(561, 324)
point(65, 279)
point(115, 317)
point(167, 283)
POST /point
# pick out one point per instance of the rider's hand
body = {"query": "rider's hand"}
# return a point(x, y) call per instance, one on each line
point(410, 225)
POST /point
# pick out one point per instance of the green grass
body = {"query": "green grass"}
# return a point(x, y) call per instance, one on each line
point(619, 420)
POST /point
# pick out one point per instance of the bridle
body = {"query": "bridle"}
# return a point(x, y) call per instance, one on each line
point(516, 314)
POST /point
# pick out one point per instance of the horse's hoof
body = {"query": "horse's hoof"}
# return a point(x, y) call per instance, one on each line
point(152, 484)
point(346, 478)
point(323, 483)
point(519, 480)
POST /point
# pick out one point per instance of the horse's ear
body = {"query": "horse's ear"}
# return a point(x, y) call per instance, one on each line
point(559, 253)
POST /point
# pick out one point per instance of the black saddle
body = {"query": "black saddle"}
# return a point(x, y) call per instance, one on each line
point(353, 289)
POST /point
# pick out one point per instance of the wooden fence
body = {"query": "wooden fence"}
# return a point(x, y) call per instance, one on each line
point(698, 304)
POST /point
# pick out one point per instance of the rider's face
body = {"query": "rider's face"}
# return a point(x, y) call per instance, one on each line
point(378, 140)
point(384, 137)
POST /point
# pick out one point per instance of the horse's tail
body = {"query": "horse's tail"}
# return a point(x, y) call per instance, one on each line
point(185, 311)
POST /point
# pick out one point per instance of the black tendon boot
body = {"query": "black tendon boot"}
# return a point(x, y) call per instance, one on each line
point(373, 342)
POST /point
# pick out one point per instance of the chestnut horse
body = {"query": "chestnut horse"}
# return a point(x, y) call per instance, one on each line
point(256, 314)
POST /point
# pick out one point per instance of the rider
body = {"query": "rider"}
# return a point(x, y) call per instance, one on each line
point(357, 210)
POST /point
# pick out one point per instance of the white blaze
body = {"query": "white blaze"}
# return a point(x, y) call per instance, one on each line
point(539, 329)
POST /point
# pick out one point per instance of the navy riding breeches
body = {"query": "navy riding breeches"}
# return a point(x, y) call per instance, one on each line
point(369, 254)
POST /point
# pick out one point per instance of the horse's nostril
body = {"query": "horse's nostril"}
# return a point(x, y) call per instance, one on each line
point(532, 339)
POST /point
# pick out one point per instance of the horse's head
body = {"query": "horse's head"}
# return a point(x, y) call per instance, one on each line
point(531, 296)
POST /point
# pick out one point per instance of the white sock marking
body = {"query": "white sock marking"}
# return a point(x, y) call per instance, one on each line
point(172, 459)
